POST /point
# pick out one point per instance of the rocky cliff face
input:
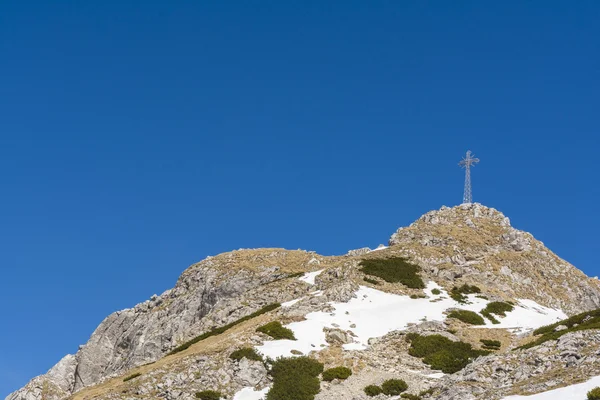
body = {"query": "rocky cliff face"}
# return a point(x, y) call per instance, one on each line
point(467, 244)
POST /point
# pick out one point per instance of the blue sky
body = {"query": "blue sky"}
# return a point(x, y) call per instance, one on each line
point(139, 137)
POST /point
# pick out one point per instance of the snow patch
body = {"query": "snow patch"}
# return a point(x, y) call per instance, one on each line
point(529, 315)
point(372, 313)
point(437, 375)
point(291, 302)
point(309, 277)
point(380, 247)
point(578, 391)
point(248, 393)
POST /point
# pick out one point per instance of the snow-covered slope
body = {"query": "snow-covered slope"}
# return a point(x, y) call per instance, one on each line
point(373, 313)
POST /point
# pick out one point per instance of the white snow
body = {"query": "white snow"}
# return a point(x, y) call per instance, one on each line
point(575, 392)
point(529, 315)
point(375, 313)
point(380, 247)
point(310, 277)
point(248, 393)
point(291, 302)
point(437, 375)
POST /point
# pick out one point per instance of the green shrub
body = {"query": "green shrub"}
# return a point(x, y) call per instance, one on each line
point(340, 373)
point(276, 331)
point(410, 396)
point(417, 296)
point(295, 378)
point(208, 395)
point(458, 293)
point(582, 319)
point(246, 352)
point(489, 316)
point(594, 394)
point(218, 331)
point(394, 270)
point(295, 365)
point(468, 317)
point(442, 353)
point(469, 289)
point(436, 291)
point(499, 308)
point(426, 392)
point(580, 322)
point(371, 281)
point(393, 387)
point(491, 344)
point(133, 376)
point(372, 390)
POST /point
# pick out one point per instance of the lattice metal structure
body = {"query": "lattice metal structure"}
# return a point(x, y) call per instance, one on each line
point(466, 163)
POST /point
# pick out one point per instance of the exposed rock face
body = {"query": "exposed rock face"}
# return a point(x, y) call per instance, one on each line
point(143, 334)
point(338, 336)
point(474, 243)
point(465, 244)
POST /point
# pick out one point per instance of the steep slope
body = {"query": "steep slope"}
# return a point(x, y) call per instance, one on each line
point(470, 244)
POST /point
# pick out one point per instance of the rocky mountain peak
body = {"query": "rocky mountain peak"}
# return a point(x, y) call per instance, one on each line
point(470, 244)
point(465, 214)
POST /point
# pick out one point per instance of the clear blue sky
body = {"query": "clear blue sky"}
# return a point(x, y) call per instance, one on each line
point(139, 137)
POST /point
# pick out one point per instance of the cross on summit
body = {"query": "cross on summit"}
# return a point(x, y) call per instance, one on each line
point(466, 163)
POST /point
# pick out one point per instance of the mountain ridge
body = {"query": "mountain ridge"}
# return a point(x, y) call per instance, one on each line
point(465, 245)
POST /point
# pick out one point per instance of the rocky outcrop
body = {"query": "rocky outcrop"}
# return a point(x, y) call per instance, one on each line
point(474, 243)
point(208, 294)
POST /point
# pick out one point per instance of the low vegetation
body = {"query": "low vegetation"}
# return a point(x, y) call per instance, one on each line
point(410, 396)
point(489, 316)
point(276, 331)
point(371, 281)
point(442, 353)
point(436, 291)
point(499, 308)
point(580, 322)
point(459, 293)
point(218, 331)
point(496, 307)
point(372, 390)
point(468, 317)
point(394, 270)
point(594, 394)
point(491, 344)
point(341, 373)
point(133, 376)
point(208, 395)
point(295, 378)
point(393, 387)
point(246, 352)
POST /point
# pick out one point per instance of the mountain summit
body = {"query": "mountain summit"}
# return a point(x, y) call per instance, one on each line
point(459, 305)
